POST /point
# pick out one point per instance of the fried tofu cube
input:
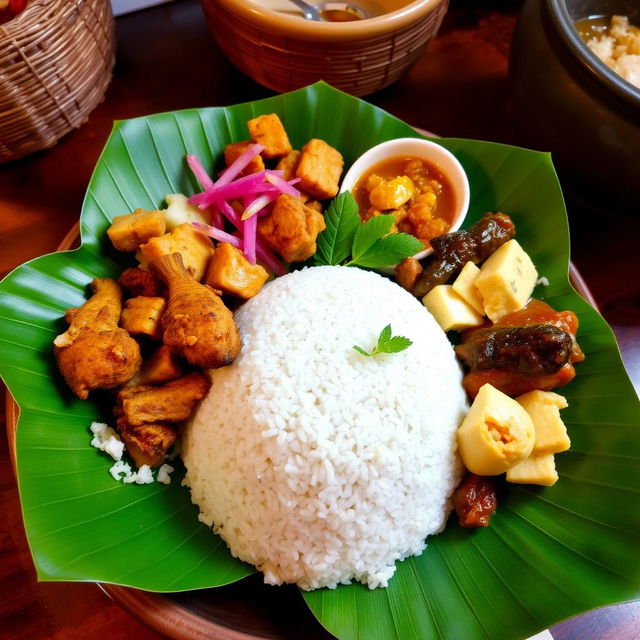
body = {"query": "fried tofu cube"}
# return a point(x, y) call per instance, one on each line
point(536, 469)
point(128, 232)
point(142, 316)
point(193, 245)
point(268, 131)
point(291, 229)
point(147, 443)
point(230, 272)
point(289, 164)
point(161, 366)
point(506, 280)
point(319, 169)
point(450, 311)
point(544, 409)
point(465, 286)
point(234, 150)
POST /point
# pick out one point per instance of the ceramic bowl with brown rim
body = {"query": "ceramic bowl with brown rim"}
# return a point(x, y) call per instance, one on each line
point(271, 42)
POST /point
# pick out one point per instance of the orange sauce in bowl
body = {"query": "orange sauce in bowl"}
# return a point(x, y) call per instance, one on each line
point(429, 210)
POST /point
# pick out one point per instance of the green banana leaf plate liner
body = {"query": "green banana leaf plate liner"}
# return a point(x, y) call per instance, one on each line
point(548, 554)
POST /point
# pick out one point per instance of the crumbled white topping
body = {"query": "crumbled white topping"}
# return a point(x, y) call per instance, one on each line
point(542, 281)
point(144, 475)
point(107, 439)
point(123, 468)
point(163, 474)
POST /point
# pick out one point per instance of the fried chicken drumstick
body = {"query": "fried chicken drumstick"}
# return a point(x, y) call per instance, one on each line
point(94, 353)
point(196, 323)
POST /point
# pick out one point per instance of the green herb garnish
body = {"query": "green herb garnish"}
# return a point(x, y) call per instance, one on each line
point(386, 344)
point(369, 244)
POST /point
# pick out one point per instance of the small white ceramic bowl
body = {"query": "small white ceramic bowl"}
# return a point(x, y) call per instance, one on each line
point(434, 153)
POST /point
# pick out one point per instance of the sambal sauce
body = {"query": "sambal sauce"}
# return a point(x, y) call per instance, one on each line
point(414, 190)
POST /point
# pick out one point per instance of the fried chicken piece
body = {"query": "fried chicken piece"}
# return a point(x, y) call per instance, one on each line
point(94, 353)
point(170, 402)
point(196, 323)
point(140, 282)
point(291, 228)
point(147, 443)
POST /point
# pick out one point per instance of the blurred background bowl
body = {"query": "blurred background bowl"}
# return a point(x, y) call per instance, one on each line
point(270, 41)
point(567, 101)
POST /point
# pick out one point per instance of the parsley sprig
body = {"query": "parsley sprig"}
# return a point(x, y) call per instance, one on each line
point(386, 344)
point(367, 244)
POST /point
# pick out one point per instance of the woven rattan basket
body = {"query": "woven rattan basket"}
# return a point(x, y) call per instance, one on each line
point(55, 65)
point(285, 52)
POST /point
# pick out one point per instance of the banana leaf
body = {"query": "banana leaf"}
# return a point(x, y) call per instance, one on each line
point(549, 553)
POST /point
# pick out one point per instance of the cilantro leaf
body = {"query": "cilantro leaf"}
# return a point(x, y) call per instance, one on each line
point(335, 242)
point(367, 234)
point(388, 250)
point(386, 344)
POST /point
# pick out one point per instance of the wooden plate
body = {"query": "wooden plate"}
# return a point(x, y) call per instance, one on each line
point(245, 610)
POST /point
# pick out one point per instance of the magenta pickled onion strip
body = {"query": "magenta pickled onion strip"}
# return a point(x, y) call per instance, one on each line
point(230, 213)
point(254, 183)
point(206, 183)
point(283, 185)
point(218, 234)
point(249, 230)
point(258, 204)
point(269, 260)
point(199, 172)
point(239, 164)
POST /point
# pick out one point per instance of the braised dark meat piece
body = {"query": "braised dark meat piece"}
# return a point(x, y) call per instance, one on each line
point(475, 501)
point(453, 250)
point(535, 349)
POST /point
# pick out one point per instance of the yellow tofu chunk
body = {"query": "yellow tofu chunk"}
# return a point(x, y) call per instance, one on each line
point(538, 469)
point(142, 315)
point(465, 286)
point(496, 434)
point(506, 280)
point(193, 245)
point(161, 366)
point(319, 169)
point(267, 130)
point(234, 150)
point(450, 311)
point(128, 232)
point(289, 164)
point(230, 272)
point(544, 409)
point(180, 211)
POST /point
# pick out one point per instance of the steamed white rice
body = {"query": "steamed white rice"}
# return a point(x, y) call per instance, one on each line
point(314, 463)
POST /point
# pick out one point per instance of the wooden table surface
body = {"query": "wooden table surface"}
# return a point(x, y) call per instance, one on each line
point(167, 60)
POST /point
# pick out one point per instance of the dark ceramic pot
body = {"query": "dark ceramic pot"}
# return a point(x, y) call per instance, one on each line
point(567, 101)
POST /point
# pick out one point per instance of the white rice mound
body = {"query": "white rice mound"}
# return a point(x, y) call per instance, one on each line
point(314, 463)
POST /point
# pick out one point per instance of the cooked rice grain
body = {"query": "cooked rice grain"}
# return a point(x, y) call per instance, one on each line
point(314, 463)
